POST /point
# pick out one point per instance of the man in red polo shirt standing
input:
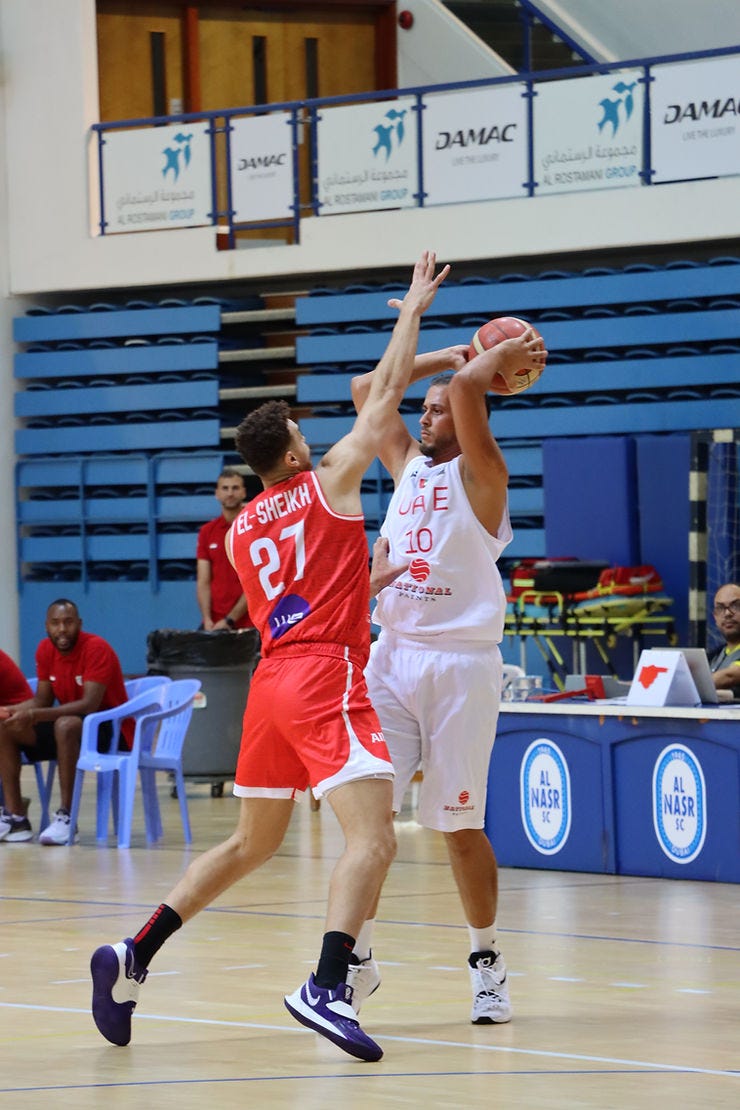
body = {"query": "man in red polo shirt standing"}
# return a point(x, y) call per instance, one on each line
point(82, 673)
point(220, 596)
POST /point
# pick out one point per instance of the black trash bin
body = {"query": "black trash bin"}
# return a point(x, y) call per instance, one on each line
point(224, 662)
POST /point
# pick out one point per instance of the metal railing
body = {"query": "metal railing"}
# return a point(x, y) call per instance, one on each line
point(305, 116)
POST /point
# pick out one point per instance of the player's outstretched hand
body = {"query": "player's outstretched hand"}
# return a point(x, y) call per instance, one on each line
point(424, 284)
point(382, 571)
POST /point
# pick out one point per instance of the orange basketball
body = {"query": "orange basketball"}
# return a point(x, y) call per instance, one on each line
point(494, 332)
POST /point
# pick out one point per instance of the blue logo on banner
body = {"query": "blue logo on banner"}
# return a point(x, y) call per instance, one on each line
point(172, 154)
point(386, 131)
point(545, 796)
point(679, 803)
point(610, 108)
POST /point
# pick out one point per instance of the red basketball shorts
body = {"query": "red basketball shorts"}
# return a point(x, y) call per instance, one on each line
point(308, 722)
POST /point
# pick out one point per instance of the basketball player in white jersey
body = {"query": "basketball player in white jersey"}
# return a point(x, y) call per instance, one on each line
point(434, 674)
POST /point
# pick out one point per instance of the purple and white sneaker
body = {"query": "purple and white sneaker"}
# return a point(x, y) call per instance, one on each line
point(330, 1013)
point(116, 980)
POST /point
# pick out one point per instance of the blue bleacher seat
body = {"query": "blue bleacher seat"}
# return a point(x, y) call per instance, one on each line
point(724, 348)
point(640, 352)
point(684, 395)
point(724, 302)
point(682, 351)
point(683, 306)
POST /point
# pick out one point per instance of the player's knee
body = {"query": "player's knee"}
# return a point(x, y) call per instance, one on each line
point(465, 842)
point(384, 848)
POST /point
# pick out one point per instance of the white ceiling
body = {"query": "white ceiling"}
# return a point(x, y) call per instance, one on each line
point(616, 30)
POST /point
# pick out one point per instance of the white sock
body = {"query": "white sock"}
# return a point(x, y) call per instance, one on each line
point(364, 940)
point(483, 940)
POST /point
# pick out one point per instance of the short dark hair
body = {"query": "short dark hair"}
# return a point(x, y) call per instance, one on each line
point(232, 472)
point(263, 436)
point(441, 379)
point(446, 378)
point(65, 602)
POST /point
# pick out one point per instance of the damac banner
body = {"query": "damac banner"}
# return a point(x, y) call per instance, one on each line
point(367, 157)
point(157, 177)
point(588, 132)
point(475, 145)
point(695, 119)
point(262, 168)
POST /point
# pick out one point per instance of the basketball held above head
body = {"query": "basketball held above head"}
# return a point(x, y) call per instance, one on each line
point(490, 335)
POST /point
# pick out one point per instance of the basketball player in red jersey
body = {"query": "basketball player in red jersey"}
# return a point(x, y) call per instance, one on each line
point(301, 554)
point(435, 671)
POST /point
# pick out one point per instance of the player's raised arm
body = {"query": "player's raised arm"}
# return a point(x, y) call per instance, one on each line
point(351, 456)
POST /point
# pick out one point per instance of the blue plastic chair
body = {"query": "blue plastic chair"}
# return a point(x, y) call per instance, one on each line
point(162, 735)
point(135, 686)
point(116, 770)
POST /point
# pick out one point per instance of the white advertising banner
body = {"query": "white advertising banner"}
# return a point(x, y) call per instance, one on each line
point(588, 132)
point(367, 157)
point(695, 119)
point(262, 168)
point(475, 145)
point(157, 177)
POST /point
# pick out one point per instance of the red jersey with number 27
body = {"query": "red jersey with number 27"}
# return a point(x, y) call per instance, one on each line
point(303, 569)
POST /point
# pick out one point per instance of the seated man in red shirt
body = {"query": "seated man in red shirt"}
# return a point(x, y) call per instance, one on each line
point(220, 596)
point(79, 671)
point(14, 689)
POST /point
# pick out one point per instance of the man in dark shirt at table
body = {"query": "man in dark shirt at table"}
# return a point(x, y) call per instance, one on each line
point(725, 663)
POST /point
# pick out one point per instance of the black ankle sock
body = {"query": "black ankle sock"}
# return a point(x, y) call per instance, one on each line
point(161, 925)
point(336, 950)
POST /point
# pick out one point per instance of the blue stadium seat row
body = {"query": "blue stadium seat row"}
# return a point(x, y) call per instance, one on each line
point(501, 298)
point(573, 335)
point(112, 361)
point(128, 322)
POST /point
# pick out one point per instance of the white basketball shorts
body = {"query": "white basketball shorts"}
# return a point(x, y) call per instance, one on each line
point(438, 709)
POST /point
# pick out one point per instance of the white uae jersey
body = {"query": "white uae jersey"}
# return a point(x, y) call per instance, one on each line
point(452, 588)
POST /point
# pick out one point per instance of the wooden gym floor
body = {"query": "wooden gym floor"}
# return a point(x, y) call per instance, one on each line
point(626, 990)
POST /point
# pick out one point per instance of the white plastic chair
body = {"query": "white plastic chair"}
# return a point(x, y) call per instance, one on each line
point(162, 735)
point(510, 671)
point(118, 794)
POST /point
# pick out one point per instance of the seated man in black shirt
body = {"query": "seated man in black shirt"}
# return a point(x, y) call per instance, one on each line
point(725, 663)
